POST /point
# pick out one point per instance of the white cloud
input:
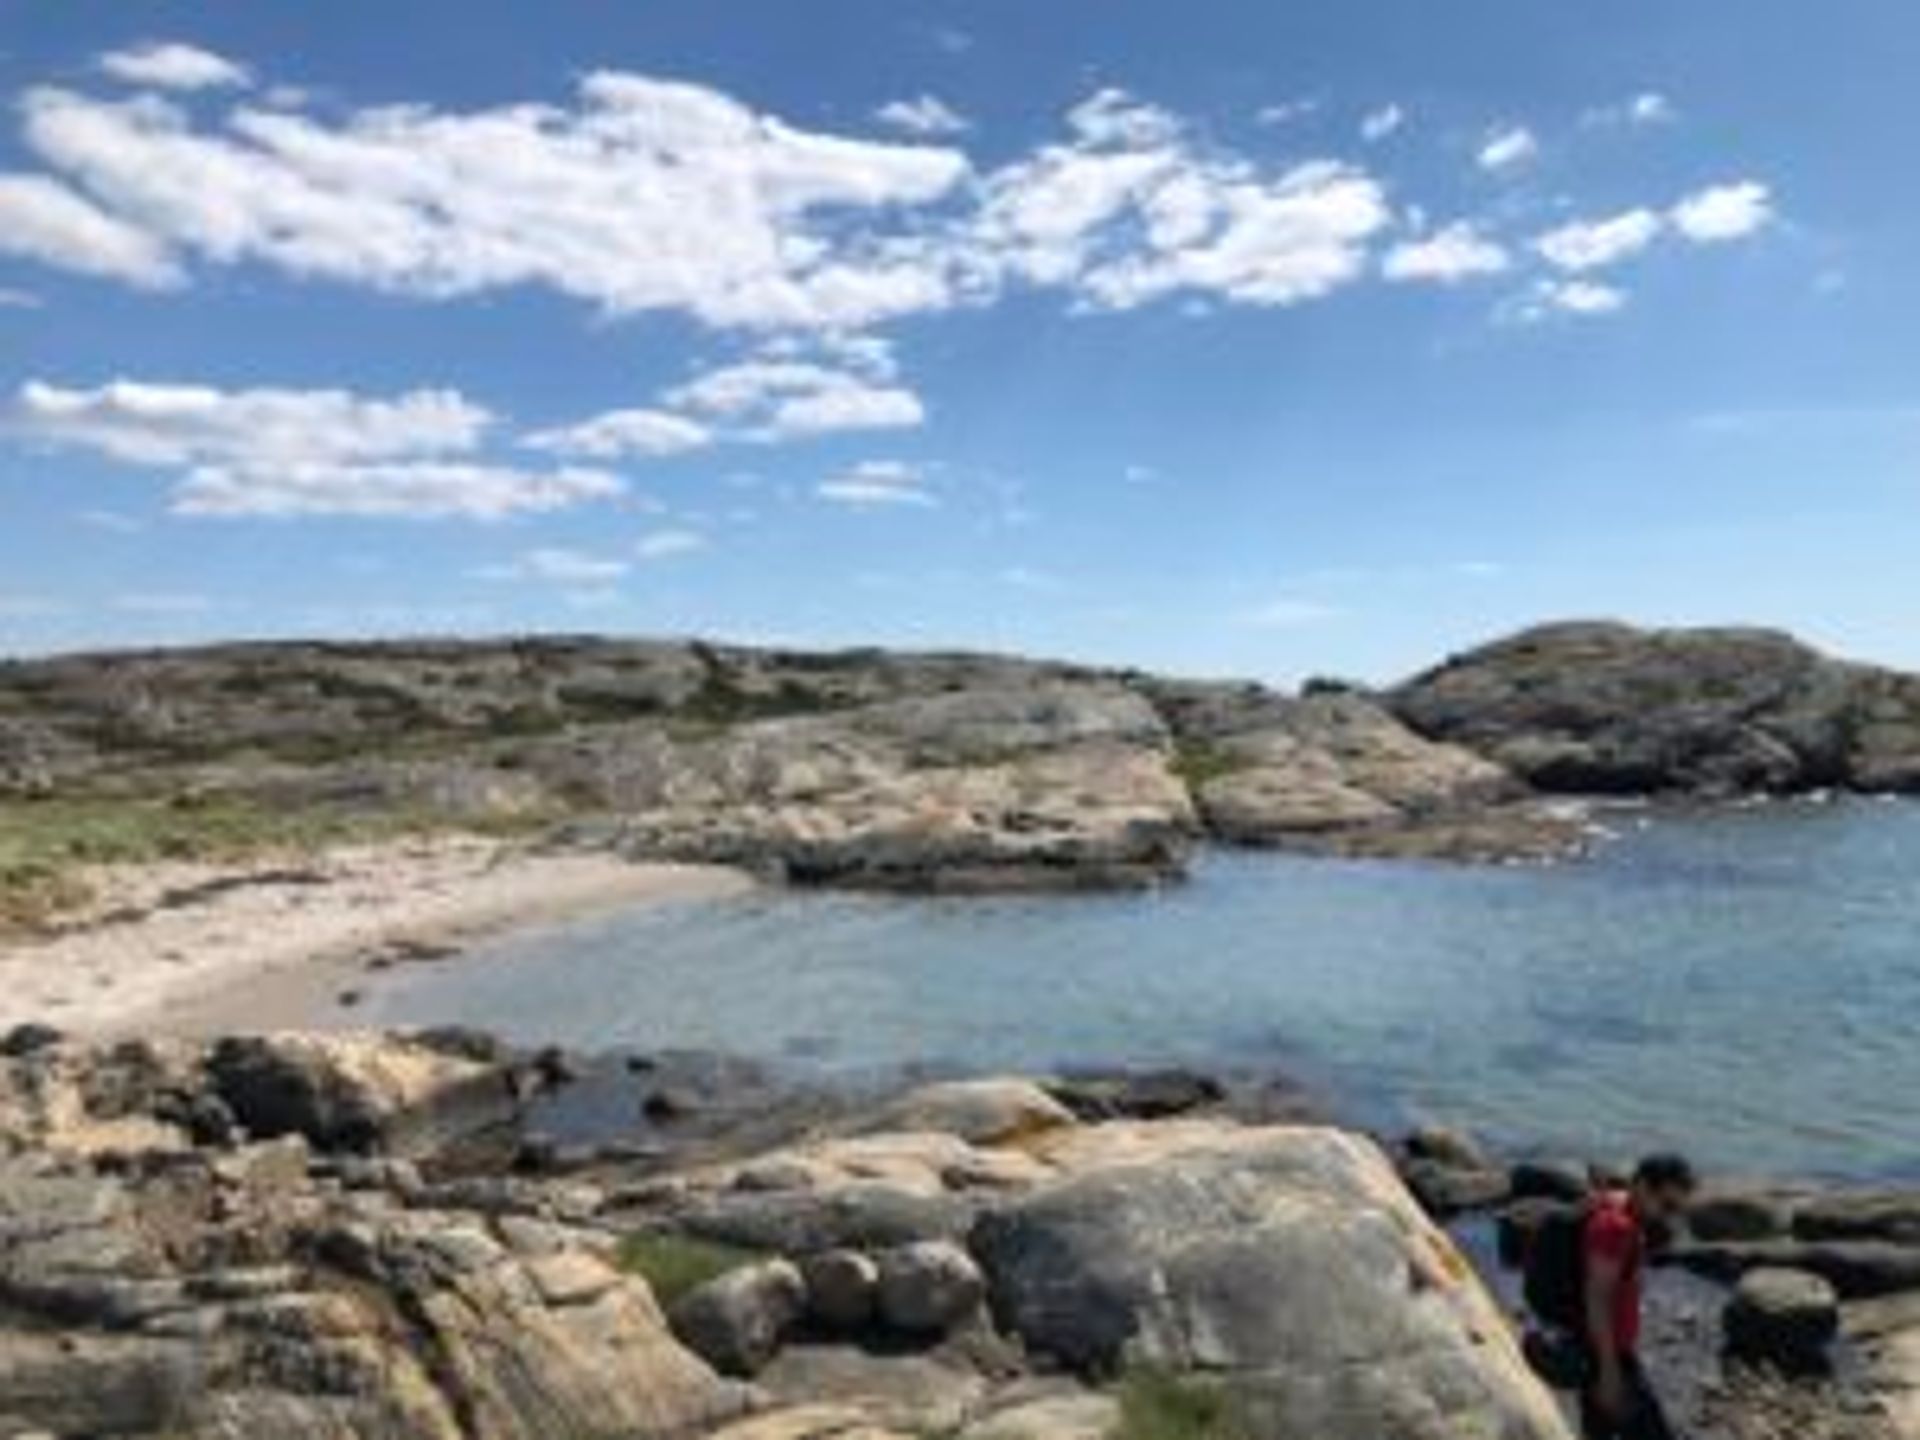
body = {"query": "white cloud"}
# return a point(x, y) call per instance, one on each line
point(1591, 244)
point(643, 195)
point(43, 220)
point(301, 452)
point(664, 544)
point(1377, 125)
point(1723, 212)
point(1647, 108)
point(173, 425)
point(923, 115)
point(1508, 148)
point(877, 483)
point(770, 400)
point(174, 67)
point(1134, 210)
point(1548, 298)
point(553, 564)
point(1457, 252)
point(645, 434)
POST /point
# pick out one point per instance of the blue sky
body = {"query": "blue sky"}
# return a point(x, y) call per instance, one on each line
point(1241, 338)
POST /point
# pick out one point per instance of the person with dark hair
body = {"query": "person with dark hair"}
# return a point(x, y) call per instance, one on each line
point(1616, 1402)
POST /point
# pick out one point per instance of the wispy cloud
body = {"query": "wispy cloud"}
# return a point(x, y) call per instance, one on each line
point(173, 66)
point(878, 483)
point(1508, 149)
point(1724, 212)
point(1591, 244)
point(1649, 107)
point(556, 565)
point(923, 115)
point(1377, 125)
point(665, 544)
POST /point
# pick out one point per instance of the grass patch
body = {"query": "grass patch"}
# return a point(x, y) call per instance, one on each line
point(1197, 762)
point(673, 1265)
point(1159, 1405)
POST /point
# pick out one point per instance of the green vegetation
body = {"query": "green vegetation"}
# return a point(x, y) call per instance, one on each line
point(672, 1265)
point(1159, 1405)
point(1196, 762)
point(44, 843)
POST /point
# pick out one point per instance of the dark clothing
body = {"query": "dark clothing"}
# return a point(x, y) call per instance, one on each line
point(1644, 1420)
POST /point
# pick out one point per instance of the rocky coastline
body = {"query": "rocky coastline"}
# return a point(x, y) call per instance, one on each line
point(371, 1235)
point(929, 772)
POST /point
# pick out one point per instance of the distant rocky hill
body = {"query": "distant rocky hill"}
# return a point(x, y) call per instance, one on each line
point(948, 771)
point(1608, 709)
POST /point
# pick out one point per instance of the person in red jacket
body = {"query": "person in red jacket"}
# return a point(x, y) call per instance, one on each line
point(1618, 1403)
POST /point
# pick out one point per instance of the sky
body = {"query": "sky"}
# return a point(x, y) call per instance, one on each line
point(1239, 338)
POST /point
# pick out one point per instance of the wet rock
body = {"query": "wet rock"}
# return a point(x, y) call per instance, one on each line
point(928, 1288)
point(1786, 1318)
point(737, 1322)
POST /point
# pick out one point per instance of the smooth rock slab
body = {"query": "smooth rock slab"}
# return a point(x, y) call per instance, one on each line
point(1291, 1262)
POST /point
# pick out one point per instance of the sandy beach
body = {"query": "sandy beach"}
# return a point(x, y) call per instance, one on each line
point(195, 948)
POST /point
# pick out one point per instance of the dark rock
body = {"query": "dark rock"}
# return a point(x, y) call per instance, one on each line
point(668, 1104)
point(1136, 1095)
point(1786, 1318)
point(1739, 1215)
point(1549, 1180)
point(1607, 709)
point(1892, 1216)
point(1446, 1190)
point(28, 1039)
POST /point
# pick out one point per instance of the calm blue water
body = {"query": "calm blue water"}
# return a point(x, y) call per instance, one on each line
point(1744, 984)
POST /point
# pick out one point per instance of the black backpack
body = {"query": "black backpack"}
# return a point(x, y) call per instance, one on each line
point(1555, 1277)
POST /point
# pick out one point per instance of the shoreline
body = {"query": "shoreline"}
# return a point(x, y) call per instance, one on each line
point(195, 948)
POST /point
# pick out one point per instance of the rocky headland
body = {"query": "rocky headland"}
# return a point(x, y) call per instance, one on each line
point(368, 1235)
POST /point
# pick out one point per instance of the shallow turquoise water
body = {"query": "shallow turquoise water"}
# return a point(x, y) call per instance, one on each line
point(1745, 984)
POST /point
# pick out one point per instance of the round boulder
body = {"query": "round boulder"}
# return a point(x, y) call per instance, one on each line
point(928, 1288)
point(737, 1321)
point(841, 1288)
point(1785, 1318)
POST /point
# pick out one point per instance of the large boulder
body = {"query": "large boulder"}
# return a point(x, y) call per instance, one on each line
point(1605, 708)
point(928, 1288)
point(1290, 1261)
point(1785, 1318)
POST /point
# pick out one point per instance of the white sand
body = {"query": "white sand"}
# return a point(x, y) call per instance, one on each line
point(274, 940)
